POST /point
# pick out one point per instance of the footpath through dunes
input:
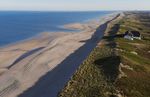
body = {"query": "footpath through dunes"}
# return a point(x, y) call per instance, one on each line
point(40, 67)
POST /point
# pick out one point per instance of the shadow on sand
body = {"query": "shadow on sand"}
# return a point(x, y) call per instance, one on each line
point(50, 84)
point(25, 55)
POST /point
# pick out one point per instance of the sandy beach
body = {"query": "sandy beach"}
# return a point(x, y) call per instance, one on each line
point(41, 66)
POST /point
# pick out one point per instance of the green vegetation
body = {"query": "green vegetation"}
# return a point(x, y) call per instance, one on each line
point(137, 82)
point(98, 76)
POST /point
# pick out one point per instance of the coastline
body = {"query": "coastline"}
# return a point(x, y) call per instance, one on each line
point(71, 26)
point(20, 59)
point(58, 28)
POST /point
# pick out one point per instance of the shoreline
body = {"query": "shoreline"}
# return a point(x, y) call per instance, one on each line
point(69, 26)
point(50, 57)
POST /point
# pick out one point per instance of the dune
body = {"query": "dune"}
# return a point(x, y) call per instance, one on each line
point(41, 66)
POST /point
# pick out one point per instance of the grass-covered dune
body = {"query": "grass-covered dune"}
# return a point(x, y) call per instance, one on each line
point(136, 55)
point(117, 67)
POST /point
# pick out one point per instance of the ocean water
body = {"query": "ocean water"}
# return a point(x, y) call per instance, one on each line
point(16, 26)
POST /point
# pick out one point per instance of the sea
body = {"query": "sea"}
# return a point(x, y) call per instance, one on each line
point(20, 25)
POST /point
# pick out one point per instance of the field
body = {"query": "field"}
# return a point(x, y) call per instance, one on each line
point(135, 54)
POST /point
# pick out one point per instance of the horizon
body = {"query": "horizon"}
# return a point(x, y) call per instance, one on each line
point(69, 5)
point(74, 10)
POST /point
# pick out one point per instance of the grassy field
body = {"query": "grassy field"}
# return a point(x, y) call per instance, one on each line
point(137, 82)
point(117, 67)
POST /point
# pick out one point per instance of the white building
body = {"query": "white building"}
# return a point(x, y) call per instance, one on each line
point(131, 35)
